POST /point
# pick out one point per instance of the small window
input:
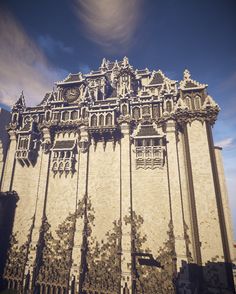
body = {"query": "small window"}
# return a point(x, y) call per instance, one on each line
point(168, 106)
point(109, 119)
point(94, 120)
point(101, 120)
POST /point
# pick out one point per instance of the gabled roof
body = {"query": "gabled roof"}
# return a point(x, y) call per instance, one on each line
point(71, 78)
point(189, 84)
point(147, 131)
point(157, 78)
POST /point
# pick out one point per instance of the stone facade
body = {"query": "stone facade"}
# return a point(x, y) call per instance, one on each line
point(117, 188)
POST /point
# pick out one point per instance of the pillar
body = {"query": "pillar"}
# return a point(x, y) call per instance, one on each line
point(126, 209)
point(175, 193)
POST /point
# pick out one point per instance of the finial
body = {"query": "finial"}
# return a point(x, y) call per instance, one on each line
point(125, 61)
point(103, 63)
point(116, 65)
point(187, 74)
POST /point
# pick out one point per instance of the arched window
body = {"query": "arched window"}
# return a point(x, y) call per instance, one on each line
point(136, 113)
point(124, 109)
point(84, 113)
point(101, 120)
point(188, 102)
point(74, 115)
point(197, 102)
point(47, 116)
point(168, 106)
point(14, 118)
point(94, 120)
point(65, 115)
point(108, 119)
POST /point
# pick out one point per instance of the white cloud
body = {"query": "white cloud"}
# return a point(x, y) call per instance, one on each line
point(225, 143)
point(111, 24)
point(22, 65)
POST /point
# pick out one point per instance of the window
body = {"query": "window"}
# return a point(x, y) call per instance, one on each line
point(136, 113)
point(94, 120)
point(124, 109)
point(101, 120)
point(109, 119)
point(168, 106)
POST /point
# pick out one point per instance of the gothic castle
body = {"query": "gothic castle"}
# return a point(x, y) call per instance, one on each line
point(112, 184)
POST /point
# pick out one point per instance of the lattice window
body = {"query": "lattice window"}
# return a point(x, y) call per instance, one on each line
point(149, 157)
point(149, 152)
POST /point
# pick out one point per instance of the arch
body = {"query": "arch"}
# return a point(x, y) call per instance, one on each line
point(168, 106)
point(60, 166)
point(124, 109)
point(197, 102)
point(67, 165)
point(54, 167)
point(108, 119)
point(136, 113)
point(47, 115)
point(84, 113)
point(74, 115)
point(14, 118)
point(65, 115)
point(94, 120)
point(188, 102)
point(101, 120)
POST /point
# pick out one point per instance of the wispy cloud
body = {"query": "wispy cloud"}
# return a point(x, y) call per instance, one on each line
point(225, 143)
point(51, 46)
point(23, 66)
point(111, 24)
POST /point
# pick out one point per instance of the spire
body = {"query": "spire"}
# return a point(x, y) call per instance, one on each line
point(116, 65)
point(20, 103)
point(104, 63)
point(125, 61)
point(187, 74)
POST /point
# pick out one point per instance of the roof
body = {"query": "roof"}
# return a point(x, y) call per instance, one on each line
point(157, 79)
point(64, 145)
point(147, 131)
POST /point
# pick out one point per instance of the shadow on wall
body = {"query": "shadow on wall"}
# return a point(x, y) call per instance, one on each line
point(4, 120)
point(7, 213)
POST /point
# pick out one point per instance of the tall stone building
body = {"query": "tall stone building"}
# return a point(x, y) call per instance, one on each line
point(116, 186)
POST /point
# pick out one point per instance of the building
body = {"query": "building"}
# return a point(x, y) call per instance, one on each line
point(117, 187)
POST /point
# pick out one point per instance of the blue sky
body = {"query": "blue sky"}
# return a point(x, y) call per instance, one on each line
point(42, 41)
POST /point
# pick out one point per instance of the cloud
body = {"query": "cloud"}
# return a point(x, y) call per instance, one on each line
point(23, 66)
point(51, 46)
point(225, 143)
point(110, 24)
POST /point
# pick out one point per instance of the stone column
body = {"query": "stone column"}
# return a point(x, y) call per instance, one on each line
point(8, 173)
point(126, 208)
point(82, 171)
point(175, 193)
point(40, 205)
point(1, 162)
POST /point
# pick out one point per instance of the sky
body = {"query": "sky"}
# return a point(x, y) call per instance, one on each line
point(42, 41)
